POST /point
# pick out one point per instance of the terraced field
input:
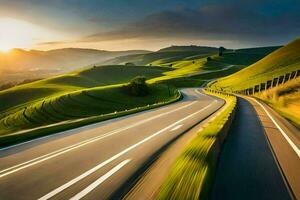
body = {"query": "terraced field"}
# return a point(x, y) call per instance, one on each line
point(81, 104)
point(95, 93)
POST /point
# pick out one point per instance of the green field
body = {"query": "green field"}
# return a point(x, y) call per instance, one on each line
point(83, 93)
point(96, 92)
point(284, 60)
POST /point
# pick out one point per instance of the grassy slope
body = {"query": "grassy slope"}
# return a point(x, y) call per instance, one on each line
point(81, 104)
point(59, 98)
point(192, 173)
point(198, 63)
point(100, 76)
point(66, 97)
point(281, 61)
point(285, 99)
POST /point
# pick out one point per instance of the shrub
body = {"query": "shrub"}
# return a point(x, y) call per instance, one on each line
point(221, 50)
point(129, 64)
point(137, 87)
point(208, 59)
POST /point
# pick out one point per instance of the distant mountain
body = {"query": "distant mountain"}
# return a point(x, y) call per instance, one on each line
point(168, 54)
point(19, 64)
point(203, 49)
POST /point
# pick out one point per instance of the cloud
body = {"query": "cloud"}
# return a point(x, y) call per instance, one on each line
point(211, 22)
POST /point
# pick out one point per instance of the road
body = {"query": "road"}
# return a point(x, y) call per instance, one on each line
point(99, 160)
point(257, 161)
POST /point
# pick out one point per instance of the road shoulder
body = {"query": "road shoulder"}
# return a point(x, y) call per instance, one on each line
point(287, 159)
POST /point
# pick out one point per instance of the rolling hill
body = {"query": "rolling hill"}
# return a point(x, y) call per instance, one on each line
point(84, 93)
point(95, 93)
point(19, 64)
point(283, 60)
point(165, 55)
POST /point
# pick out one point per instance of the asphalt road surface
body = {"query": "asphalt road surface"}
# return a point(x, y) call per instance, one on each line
point(95, 161)
point(248, 168)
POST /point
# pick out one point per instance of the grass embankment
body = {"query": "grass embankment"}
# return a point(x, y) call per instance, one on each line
point(93, 93)
point(283, 60)
point(285, 100)
point(192, 174)
point(79, 108)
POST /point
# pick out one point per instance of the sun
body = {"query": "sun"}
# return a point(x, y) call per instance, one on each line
point(5, 49)
point(15, 33)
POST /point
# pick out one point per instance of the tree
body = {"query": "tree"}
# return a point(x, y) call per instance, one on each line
point(221, 50)
point(129, 64)
point(137, 86)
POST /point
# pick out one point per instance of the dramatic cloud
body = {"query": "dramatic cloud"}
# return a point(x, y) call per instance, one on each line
point(222, 22)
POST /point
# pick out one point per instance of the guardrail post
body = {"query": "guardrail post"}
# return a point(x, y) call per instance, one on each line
point(269, 84)
point(286, 77)
point(275, 82)
point(262, 87)
point(298, 73)
point(293, 75)
point(280, 80)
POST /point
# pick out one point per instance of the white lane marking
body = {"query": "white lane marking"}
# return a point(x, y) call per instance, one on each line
point(100, 180)
point(68, 184)
point(56, 134)
point(58, 152)
point(176, 127)
point(291, 143)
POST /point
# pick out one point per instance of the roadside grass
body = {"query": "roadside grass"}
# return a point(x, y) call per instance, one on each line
point(82, 104)
point(283, 60)
point(284, 99)
point(191, 176)
point(24, 95)
point(79, 108)
point(94, 92)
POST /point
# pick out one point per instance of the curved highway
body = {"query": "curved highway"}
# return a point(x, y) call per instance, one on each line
point(98, 160)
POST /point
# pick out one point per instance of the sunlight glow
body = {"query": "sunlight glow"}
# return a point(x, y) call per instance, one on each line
point(16, 33)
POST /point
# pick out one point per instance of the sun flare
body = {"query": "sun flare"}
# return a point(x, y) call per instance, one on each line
point(16, 33)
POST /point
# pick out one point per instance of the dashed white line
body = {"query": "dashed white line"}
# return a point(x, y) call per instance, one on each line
point(99, 180)
point(176, 127)
point(73, 181)
point(61, 151)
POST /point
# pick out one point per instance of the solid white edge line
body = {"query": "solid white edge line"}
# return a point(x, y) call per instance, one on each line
point(291, 143)
point(68, 184)
point(79, 144)
point(100, 180)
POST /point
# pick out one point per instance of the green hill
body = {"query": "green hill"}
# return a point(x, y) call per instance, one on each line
point(61, 92)
point(80, 104)
point(96, 93)
point(20, 64)
point(202, 49)
point(283, 60)
point(87, 78)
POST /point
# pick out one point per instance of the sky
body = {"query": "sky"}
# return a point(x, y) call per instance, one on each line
point(146, 24)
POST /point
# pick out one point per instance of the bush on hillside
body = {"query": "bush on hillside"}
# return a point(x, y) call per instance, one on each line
point(208, 59)
point(221, 50)
point(137, 87)
point(129, 64)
